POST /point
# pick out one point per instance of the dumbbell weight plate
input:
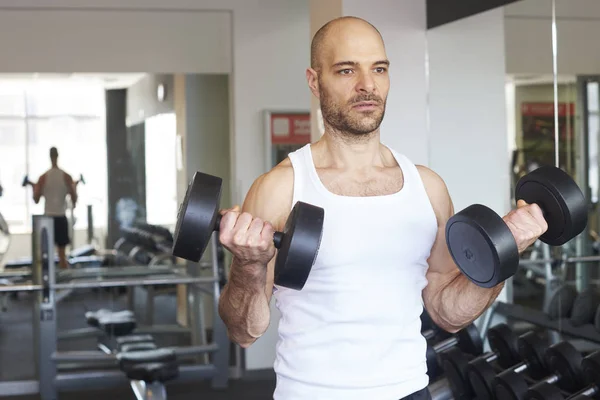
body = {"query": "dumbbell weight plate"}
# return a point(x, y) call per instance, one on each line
point(532, 348)
point(481, 376)
point(512, 386)
point(454, 364)
point(299, 245)
point(482, 245)
point(561, 302)
point(584, 307)
point(470, 341)
point(544, 391)
point(565, 360)
point(504, 343)
point(564, 205)
point(197, 217)
point(591, 369)
point(433, 369)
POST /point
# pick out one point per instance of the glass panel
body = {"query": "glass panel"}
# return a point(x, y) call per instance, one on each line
point(592, 96)
point(12, 102)
point(14, 166)
point(161, 170)
point(81, 144)
point(594, 131)
point(50, 98)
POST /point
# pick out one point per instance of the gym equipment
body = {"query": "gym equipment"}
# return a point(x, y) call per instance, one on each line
point(50, 379)
point(562, 358)
point(467, 340)
point(584, 307)
point(148, 371)
point(26, 181)
point(591, 372)
point(561, 302)
point(531, 349)
point(298, 244)
point(481, 243)
point(430, 330)
point(503, 343)
point(80, 180)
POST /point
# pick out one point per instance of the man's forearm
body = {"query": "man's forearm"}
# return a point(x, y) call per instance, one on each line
point(244, 306)
point(459, 302)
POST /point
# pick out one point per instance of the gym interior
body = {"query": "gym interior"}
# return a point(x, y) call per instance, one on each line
point(139, 96)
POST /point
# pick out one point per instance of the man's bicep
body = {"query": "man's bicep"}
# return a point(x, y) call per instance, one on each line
point(263, 202)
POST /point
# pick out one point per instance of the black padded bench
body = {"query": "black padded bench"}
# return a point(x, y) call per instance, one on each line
point(112, 323)
point(148, 370)
point(157, 365)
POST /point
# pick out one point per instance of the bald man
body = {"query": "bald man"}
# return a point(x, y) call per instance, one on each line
point(353, 331)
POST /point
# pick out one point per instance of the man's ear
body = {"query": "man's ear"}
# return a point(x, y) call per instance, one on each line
point(313, 81)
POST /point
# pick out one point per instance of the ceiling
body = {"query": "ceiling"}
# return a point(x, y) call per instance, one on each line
point(109, 80)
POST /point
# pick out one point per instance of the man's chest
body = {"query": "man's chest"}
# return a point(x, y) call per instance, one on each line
point(380, 183)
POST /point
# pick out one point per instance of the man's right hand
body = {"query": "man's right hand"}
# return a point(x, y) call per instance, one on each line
point(249, 239)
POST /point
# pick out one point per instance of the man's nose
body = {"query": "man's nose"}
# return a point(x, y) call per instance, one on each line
point(366, 83)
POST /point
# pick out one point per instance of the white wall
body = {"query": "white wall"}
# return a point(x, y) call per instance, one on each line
point(403, 27)
point(468, 110)
point(528, 30)
point(115, 41)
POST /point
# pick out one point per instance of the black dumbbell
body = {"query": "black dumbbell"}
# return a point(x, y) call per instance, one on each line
point(561, 302)
point(531, 350)
point(484, 248)
point(26, 181)
point(503, 343)
point(561, 358)
point(298, 245)
point(584, 307)
point(591, 373)
point(430, 330)
point(467, 340)
point(80, 180)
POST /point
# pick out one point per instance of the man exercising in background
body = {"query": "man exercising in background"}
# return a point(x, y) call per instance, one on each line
point(354, 330)
point(54, 185)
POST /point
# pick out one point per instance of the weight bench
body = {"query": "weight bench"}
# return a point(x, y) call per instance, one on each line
point(114, 325)
point(147, 367)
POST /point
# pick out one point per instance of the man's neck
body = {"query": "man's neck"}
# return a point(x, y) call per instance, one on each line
point(54, 165)
point(346, 152)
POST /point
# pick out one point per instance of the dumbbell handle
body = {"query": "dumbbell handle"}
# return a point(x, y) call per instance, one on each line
point(428, 334)
point(445, 344)
point(277, 236)
point(585, 393)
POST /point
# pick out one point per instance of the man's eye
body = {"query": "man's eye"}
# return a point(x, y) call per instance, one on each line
point(381, 70)
point(345, 71)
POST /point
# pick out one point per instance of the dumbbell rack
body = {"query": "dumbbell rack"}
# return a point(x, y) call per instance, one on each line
point(539, 318)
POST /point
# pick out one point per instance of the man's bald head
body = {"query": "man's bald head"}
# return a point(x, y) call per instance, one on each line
point(319, 42)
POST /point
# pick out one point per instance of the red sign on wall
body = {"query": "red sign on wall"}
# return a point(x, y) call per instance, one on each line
point(547, 109)
point(290, 128)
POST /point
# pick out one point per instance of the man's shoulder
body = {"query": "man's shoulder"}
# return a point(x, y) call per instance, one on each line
point(270, 196)
point(437, 191)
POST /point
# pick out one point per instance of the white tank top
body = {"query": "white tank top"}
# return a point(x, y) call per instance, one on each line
point(354, 330)
point(55, 192)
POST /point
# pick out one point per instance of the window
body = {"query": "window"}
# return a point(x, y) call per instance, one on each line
point(593, 95)
point(36, 115)
point(13, 205)
point(161, 169)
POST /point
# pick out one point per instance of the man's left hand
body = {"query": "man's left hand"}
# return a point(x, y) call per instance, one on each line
point(526, 223)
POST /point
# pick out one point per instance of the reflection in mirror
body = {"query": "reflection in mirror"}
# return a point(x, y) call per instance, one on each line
point(554, 89)
point(89, 226)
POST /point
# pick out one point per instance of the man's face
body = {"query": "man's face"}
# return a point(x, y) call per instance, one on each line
point(354, 81)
